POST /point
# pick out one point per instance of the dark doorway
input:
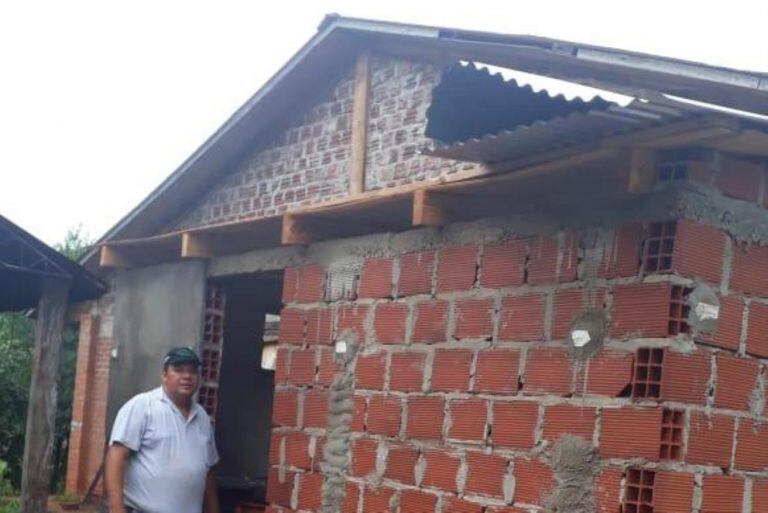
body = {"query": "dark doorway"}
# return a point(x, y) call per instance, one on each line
point(239, 395)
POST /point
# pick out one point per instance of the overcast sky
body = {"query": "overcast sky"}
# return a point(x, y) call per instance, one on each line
point(101, 100)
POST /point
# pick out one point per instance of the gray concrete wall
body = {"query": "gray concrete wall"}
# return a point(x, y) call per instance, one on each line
point(156, 308)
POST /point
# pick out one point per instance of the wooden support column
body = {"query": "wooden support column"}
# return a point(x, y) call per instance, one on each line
point(41, 412)
point(360, 124)
point(427, 210)
point(642, 170)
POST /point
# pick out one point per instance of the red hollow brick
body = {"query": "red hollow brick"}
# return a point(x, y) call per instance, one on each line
point(369, 371)
point(569, 265)
point(310, 486)
point(533, 481)
point(406, 372)
point(641, 310)
point(279, 491)
point(282, 365)
point(425, 417)
point(736, 379)
point(450, 370)
point(454, 505)
point(710, 440)
point(315, 408)
point(351, 319)
point(378, 500)
point(473, 319)
point(485, 474)
point(752, 446)
point(297, 450)
point(630, 433)
point(672, 492)
point(497, 371)
point(310, 284)
point(358, 414)
point(548, 370)
point(290, 284)
point(430, 322)
point(542, 260)
point(468, 418)
point(363, 456)
point(292, 326)
point(302, 367)
point(319, 328)
point(622, 258)
point(440, 470)
point(415, 273)
point(685, 377)
point(757, 330)
point(567, 305)
point(351, 498)
point(608, 490)
point(401, 462)
point(456, 268)
point(285, 408)
point(522, 318)
point(384, 415)
point(328, 368)
point(376, 278)
point(275, 441)
point(609, 373)
point(698, 251)
point(728, 331)
point(413, 500)
point(722, 494)
point(749, 270)
point(759, 493)
point(514, 424)
point(504, 264)
point(563, 419)
point(389, 323)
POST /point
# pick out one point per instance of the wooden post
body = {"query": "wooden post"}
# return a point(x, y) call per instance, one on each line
point(360, 124)
point(41, 412)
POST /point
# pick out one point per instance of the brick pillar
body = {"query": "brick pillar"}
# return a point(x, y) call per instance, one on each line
point(89, 329)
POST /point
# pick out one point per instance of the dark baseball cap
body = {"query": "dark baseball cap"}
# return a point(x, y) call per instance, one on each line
point(179, 355)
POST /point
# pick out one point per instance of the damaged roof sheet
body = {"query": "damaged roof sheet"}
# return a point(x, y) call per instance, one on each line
point(514, 130)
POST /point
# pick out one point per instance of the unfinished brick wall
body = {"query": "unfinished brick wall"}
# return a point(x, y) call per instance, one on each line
point(89, 402)
point(466, 381)
point(309, 162)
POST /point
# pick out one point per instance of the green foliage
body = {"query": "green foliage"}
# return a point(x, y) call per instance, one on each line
point(16, 342)
point(10, 506)
point(6, 488)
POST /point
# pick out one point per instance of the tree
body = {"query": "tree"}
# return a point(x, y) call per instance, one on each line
point(16, 342)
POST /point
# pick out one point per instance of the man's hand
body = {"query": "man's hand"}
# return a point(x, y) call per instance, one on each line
point(211, 494)
point(114, 470)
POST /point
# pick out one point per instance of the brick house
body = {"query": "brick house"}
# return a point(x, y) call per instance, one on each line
point(488, 296)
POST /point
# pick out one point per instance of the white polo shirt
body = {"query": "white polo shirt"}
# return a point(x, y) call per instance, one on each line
point(171, 455)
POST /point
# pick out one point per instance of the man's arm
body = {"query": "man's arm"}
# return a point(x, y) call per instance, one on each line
point(211, 494)
point(114, 470)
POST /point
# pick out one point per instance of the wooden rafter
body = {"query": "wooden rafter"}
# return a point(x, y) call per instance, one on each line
point(360, 123)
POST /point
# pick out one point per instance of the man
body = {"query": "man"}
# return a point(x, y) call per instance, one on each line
point(162, 449)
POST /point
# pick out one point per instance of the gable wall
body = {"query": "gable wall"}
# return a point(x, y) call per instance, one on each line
point(309, 163)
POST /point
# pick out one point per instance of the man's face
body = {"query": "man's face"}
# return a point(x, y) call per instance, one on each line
point(181, 380)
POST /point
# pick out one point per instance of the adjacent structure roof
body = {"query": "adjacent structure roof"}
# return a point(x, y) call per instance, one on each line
point(25, 262)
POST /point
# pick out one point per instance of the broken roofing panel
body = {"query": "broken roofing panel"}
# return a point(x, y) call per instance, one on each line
point(470, 103)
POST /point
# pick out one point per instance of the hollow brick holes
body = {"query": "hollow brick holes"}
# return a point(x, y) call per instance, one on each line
point(679, 310)
point(672, 171)
point(646, 379)
point(658, 247)
point(672, 422)
point(213, 341)
point(638, 495)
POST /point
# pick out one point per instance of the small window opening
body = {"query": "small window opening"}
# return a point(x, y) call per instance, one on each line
point(671, 172)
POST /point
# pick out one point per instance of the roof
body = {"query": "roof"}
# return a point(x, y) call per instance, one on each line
point(25, 262)
point(338, 40)
point(479, 116)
